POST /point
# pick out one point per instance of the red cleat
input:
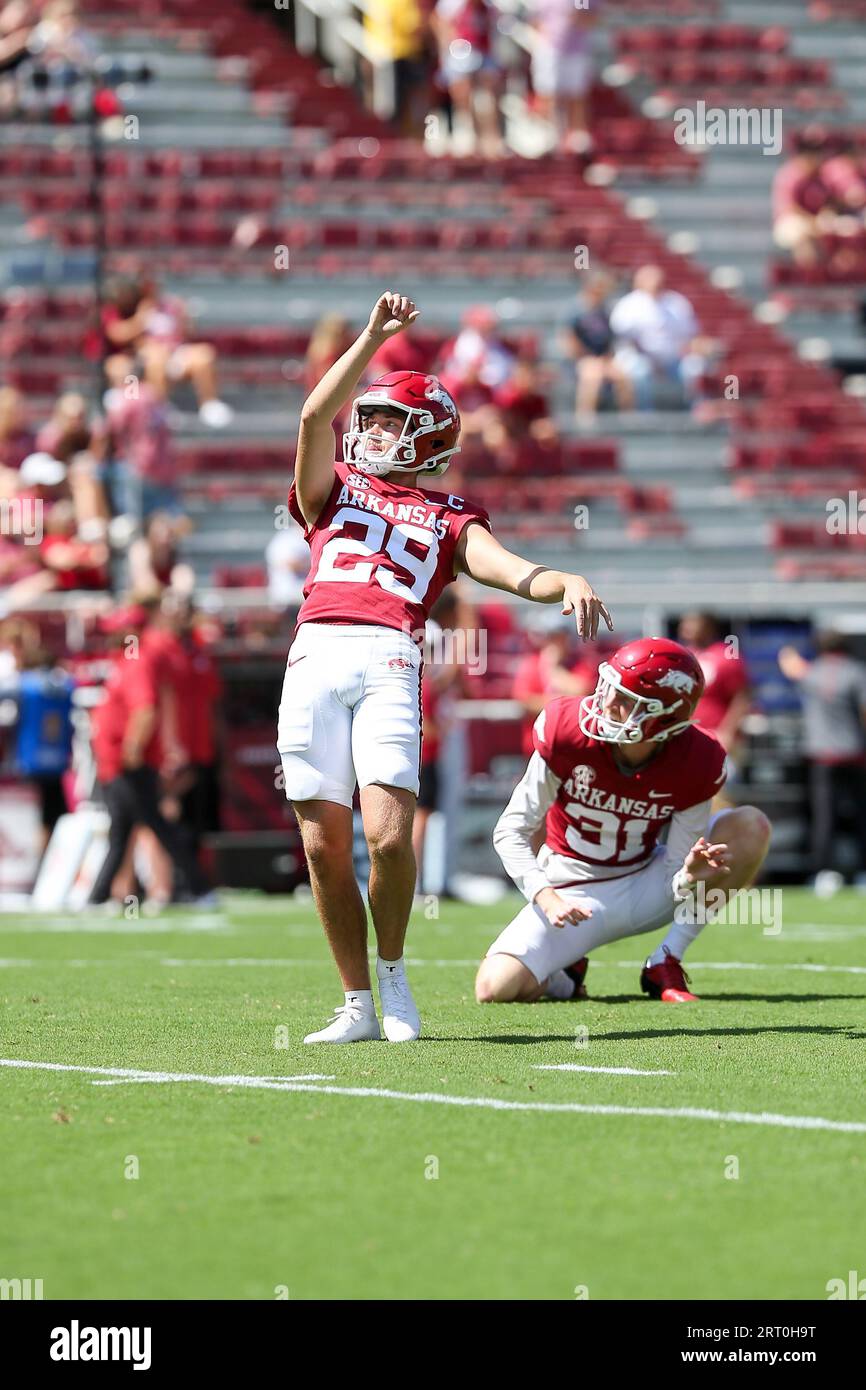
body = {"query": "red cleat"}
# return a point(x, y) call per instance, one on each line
point(577, 972)
point(668, 981)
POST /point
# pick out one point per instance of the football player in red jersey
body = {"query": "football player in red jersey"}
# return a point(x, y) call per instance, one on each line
point(382, 550)
point(609, 773)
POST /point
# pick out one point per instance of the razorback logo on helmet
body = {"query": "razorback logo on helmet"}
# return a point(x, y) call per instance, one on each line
point(436, 392)
point(677, 680)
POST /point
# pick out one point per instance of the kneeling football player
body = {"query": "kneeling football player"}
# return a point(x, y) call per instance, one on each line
point(609, 773)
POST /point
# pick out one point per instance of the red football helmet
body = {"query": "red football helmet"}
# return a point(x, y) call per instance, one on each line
point(663, 680)
point(430, 431)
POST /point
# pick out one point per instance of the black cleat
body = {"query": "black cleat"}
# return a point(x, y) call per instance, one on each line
point(577, 972)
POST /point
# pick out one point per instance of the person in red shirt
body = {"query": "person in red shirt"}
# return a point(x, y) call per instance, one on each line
point(128, 753)
point(382, 550)
point(199, 690)
point(524, 410)
point(549, 671)
point(607, 776)
point(726, 699)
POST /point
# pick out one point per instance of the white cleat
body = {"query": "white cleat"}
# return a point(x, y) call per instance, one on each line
point(349, 1024)
point(400, 1019)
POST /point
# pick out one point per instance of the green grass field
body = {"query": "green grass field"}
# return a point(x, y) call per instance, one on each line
point(552, 1181)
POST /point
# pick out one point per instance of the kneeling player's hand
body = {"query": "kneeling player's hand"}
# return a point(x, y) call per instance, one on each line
point(558, 910)
point(704, 861)
point(391, 314)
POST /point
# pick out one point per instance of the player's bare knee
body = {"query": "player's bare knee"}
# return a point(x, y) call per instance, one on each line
point(389, 842)
point(500, 980)
point(746, 827)
point(325, 849)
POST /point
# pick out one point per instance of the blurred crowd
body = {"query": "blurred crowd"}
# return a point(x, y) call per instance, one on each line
point(153, 746)
point(89, 483)
point(448, 61)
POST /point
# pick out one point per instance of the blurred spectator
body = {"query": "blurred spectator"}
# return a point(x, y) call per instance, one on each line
point(330, 338)
point(60, 48)
point(476, 402)
point(477, 350)
point(833, 692)
point(16, 439)
point(844, 175)
point(139, 322)
point(76, 438)
point(190, 689)
point(562, 68)
point(200, 725)
point(75, 564)
point(657, 335)
point(551, 669)
point(465, 32)
point(128, 753)
point(17, 21)
point(726, 699)
point(154, 563)
point(144, 467)
point(42, 692)
point(19, 640)
point(523, 408)
point(397, 33)
point(67, 563)
point(588, 338)
point(405, 352)
point(803, 207)
point(17, 561)
point(287, 556)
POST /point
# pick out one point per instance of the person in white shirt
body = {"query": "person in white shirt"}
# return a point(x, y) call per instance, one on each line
point(287, 556)
point(657, 335)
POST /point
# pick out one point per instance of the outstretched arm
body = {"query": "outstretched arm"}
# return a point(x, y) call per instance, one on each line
point(514, 836)
point(314, 465)
point(482, 557)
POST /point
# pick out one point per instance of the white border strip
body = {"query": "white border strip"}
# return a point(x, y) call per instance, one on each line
point(739, 1117)
point(608, 1071)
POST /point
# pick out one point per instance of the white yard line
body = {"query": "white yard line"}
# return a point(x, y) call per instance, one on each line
point(292, 962)
point(741, 1117)
point(608, 1071)
point(118, 926)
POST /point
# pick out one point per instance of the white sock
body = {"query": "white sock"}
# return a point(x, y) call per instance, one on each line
point(384, 968)
point(362, 999)
point(677, 941)
point(560, 986)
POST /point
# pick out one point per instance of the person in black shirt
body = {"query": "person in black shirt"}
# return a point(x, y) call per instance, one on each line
point(587, 339)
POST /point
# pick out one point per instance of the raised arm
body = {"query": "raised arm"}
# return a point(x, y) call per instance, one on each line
point(480, 555)
point(314, 465)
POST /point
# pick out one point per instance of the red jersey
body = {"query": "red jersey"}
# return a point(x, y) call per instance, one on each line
point(131, 685)
point(381, 552)
point(84, 574)
point(532, 677)
point(189, 670)
point(725, 676)
point(610, 819)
